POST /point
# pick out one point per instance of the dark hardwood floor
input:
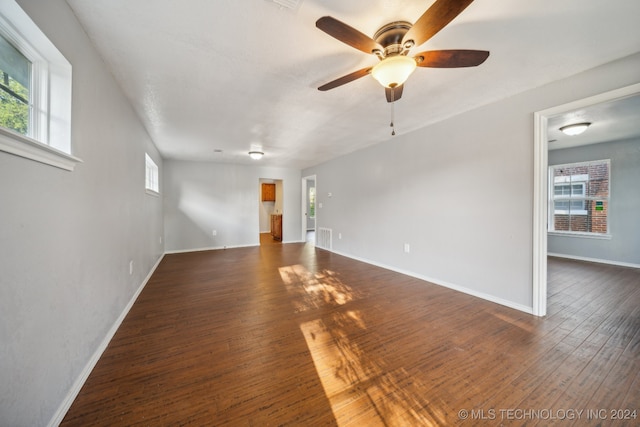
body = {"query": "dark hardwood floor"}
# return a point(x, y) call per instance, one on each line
point(294, 335)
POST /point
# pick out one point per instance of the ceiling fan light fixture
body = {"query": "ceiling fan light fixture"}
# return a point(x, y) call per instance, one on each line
point(575, 128)
point(256, 155)
point(394, 70)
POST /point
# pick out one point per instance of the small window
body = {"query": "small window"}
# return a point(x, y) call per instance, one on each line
point(151, 181)
point(579, 198)
point(35, 92)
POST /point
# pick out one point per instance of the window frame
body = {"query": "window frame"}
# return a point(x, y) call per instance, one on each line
point(582, 182)
point(152, 176)
point(312, 202)
point(49, 138)
point(583, 179)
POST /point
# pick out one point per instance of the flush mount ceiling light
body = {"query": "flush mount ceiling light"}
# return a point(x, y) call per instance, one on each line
point(575, 129)
point(393, 71)
point(256, 155)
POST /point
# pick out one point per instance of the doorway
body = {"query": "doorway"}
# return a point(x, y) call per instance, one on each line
point(541, 189)
point(309, 211)
point(270, 202)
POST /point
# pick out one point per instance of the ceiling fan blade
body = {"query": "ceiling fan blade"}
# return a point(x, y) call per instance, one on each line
point(347, 34)
point(345, 79)
point(434, 19)
point(456, 58)
point(393, 94)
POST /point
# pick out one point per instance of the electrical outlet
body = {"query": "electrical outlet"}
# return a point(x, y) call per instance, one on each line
point(214, 232)
point(407, 248)
point(131, 267)
point(160, 239)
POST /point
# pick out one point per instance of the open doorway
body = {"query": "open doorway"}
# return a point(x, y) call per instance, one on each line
point(541, 216)
point(270, 210)
point(309, 209)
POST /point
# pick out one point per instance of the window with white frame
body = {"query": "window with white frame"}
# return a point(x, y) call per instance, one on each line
point(151, 172)
point(579, 198)
point(35, 92)
point(15, 85)
point(569, 194)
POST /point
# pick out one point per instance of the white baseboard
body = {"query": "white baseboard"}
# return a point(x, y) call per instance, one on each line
point(216, 248)
point(488, 297)
point(600, 261)
point(210, 248)
point(82, 378)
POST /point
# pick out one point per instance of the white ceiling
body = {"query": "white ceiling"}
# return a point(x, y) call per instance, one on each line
point(610, 121)
point(229, 75)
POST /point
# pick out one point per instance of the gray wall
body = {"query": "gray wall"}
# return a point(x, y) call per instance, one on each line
point(460, 192)
point(202, 196)
point(624, 208)
point(66, 238)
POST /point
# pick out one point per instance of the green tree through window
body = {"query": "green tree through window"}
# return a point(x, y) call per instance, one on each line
point(15, 74)
point(312, 202)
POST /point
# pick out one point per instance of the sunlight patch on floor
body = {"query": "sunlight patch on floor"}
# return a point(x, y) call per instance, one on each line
point(361, 387)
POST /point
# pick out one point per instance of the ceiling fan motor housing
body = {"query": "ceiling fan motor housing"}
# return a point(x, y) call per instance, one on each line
point(390, 38)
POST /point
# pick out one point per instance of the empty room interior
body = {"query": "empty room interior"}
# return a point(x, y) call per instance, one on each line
point(306, 212)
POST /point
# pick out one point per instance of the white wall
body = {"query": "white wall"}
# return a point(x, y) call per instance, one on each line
point(624, 207)
point(459, 192)
point(66, 238)
point(201, 197)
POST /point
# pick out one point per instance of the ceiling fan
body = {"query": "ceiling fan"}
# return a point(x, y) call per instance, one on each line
point(391, 45)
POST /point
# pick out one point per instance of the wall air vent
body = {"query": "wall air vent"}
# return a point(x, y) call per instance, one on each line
point(287, 4)
point(324, 239)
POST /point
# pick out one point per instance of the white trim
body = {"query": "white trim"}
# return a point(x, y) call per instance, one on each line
point(23, 146)
point(82, 378)
point(482, 295)
point(540, 185)
point(152, 175)
point(303, 209)
point(566, 212)
point(211, 248)
point(540, 214)
point(580, 235)
point(598, 260)
point(51, 85)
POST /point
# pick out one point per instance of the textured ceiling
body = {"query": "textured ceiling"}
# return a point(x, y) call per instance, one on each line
point(213, 79)
point(610, 121)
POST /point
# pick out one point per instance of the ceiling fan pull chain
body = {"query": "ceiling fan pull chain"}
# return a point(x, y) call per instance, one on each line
point(393, 128)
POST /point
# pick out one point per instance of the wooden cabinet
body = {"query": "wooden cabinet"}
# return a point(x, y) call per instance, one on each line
point(276, 227)
point(268, 192)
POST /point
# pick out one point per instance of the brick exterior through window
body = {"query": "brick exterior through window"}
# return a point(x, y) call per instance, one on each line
point(579, 197)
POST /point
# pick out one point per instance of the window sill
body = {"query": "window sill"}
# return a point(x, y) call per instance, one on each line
point(20, 145)
point(573, 213)
point(152, 192)
point(580, 235)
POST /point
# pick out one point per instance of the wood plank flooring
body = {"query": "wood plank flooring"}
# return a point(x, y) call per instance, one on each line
point(291, 335)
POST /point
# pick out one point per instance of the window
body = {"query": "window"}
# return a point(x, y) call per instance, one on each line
point(312, 202)
point(15, 84)
point(579, 198)
point(35, 92)
point(569, 194)
point(152, 184)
